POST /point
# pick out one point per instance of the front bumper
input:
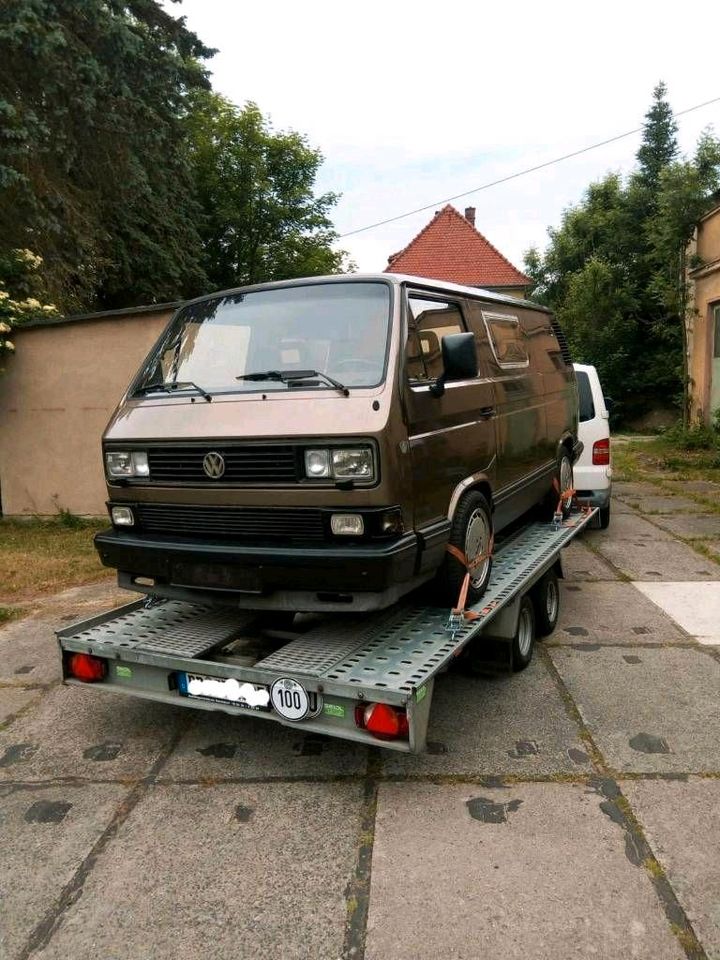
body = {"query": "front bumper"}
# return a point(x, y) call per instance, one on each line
point(177, 565)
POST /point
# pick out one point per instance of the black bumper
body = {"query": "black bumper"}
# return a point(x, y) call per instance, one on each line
point(261, 569)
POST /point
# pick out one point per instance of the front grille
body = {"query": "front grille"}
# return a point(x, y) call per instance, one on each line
point(244, 464)
point(237, 523)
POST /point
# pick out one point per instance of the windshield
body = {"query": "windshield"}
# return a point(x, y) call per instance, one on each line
point(337, 329)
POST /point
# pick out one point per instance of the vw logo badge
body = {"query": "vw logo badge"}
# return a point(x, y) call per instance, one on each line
point(214, 465)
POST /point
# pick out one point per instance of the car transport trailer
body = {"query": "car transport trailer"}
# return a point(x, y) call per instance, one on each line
point(362, 677)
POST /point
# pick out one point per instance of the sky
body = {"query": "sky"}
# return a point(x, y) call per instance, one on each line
point(414, 102)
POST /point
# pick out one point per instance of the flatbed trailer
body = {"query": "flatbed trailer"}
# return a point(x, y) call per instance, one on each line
point(362, 677)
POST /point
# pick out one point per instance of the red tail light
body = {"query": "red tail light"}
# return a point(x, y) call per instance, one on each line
point(85, 667)
point(382, 721)
point(601, 452)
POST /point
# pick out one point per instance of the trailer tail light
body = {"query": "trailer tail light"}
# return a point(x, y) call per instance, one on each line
point(85, 667)
point(382, 721)
point(601, 452)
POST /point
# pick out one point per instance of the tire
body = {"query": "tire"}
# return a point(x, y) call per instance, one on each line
point(471, 532)
point(604, 517)
point(545, 596)
point(564, 479)
point(524, 640)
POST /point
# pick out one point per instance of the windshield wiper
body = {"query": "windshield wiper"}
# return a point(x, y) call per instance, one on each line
point(290, 376)
point(173, 386)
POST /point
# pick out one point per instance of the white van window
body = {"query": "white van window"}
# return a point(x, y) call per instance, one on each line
point(587, 407)
point(507, 339)
point(428, 322)
point(339, 329)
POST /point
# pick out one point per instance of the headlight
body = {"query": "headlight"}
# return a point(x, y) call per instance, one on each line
point(340, 463)
point(122, 516)
point(126, 463)
point(356, 464)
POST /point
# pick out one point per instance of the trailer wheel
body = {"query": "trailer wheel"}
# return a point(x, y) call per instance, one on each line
point(524, 639)
point(545, 596)
point(471, 532)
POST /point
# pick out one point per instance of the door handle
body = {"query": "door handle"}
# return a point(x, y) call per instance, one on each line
point(487, 412)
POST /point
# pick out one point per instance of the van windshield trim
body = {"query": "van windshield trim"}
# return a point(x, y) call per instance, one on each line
point(345, 321)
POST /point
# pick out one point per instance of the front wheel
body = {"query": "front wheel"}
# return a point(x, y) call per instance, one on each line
point(472, 534)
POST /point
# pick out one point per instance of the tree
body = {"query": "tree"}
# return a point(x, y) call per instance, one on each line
point(19, 269)
point(614, 269)
point(261, 218)
point(94, 172)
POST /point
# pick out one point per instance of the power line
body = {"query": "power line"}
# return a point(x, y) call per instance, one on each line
point(520, 173)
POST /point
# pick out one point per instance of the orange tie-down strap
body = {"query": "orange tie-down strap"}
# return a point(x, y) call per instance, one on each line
point(570, 493)
point(470, 565)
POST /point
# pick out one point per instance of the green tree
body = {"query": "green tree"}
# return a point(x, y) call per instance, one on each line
point(261, 218)
point(614, 269)
point(94, 173)
point(19, 270)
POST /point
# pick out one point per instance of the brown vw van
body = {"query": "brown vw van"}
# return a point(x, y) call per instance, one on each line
point(316, 444)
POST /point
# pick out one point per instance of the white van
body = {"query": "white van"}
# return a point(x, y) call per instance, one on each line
point(592, 473)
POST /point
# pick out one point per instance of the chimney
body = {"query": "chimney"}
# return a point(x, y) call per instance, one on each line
point(470, 215)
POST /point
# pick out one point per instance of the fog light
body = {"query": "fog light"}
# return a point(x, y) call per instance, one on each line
point(392, 522)
point(122, 516)
point(347, 524)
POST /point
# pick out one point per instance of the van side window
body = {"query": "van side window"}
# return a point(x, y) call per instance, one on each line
point(428, 322)
point(507, 339)
point(587, 407)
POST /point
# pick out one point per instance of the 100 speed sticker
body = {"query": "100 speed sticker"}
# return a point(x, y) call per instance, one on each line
point(292, 701)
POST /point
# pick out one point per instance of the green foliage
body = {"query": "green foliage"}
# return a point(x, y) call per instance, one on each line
point(261, 219)
point(695, 437)
point(19, 271)
point(94, 173)
point(614, 271)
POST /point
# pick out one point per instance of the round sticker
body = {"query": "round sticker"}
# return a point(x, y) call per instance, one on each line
point(292, 701)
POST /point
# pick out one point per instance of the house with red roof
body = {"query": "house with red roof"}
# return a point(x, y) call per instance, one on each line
point(451, 248)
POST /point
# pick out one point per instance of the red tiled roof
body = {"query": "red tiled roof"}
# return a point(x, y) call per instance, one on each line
point(449, 248)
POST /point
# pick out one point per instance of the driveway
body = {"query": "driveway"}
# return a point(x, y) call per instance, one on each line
point(569, 811)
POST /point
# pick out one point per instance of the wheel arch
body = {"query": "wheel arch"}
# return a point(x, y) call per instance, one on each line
point(479, 482)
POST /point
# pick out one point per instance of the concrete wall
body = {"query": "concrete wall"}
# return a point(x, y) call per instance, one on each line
point(56, 396)
point(704, 294)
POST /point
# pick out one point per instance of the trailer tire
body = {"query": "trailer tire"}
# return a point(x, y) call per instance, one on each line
point(524, 640)
point(545, 596)
point(471, 532)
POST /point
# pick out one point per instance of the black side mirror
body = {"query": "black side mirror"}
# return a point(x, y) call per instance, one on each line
point(459, 360)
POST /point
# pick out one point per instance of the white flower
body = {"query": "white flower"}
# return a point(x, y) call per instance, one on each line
point(4, 295)
point(32, 303)
point(4, 328)
point(49, 308)
point(9, 345)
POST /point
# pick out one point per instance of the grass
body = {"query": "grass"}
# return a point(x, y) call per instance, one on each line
point(45, 556)
point(667, 458)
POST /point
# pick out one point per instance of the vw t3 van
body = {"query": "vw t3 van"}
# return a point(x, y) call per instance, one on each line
point(317, 444)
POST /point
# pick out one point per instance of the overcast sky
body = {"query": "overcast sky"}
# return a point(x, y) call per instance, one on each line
point(413, 102)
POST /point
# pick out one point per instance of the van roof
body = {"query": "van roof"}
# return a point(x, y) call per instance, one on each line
point(393, 279)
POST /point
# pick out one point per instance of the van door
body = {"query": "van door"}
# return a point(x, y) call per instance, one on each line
point(523, 453)
point(452, 436)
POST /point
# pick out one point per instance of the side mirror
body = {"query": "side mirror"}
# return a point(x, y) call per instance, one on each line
point(459, 360)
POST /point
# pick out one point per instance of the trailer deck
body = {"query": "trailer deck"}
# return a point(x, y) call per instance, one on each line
point(317, 675)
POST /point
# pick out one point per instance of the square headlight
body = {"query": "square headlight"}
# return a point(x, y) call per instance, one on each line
point(353, 463)
point(119, 463)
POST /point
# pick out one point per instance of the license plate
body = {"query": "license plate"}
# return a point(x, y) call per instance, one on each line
point(216, 576)
point(249, 696)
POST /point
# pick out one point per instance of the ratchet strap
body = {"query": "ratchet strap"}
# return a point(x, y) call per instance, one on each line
point(569, 494)
point(459, 611)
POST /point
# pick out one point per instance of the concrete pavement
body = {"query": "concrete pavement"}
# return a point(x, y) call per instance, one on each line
point(569, 811)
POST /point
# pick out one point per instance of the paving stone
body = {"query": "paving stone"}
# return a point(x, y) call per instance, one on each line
point(501, 725)
point(670, 504)
point(217, 746)
point(29, 652)
point(625, 489)
point(13, 700)
point(627, 526)
point(533, 870)
point(612, 612)
point(619, 506)
point(695, 606)
point(234, 871)
point(46, 834)
point(682, 824)
point(580, 563)
point(697, 486)
point(693, 525)
point(80, 732)
point(657, 560)
point(633, 704)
